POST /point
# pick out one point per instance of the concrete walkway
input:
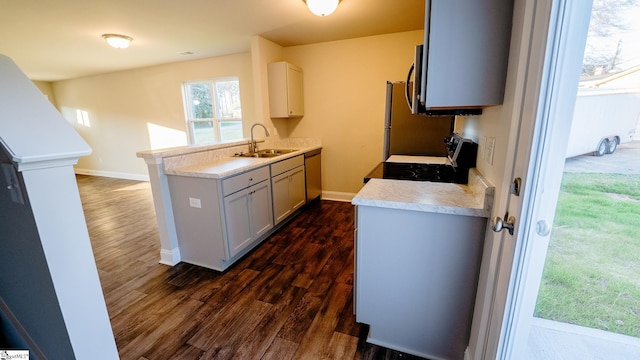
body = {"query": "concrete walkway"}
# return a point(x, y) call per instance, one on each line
point(552, 340)
point(625, 160)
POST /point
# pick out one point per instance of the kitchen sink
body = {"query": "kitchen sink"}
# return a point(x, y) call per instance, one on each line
point(267, 153)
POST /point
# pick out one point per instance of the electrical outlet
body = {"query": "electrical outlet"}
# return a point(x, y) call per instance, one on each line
point(483, 148)
point(195, 203)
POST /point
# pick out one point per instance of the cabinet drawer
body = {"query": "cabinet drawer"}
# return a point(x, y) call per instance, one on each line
point(286, 165)
point(244, 180)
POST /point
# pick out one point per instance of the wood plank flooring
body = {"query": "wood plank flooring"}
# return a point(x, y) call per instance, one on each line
point(291, 298)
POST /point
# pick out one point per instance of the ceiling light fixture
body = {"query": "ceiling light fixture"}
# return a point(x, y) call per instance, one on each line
point(118, 41)
point(322, 7)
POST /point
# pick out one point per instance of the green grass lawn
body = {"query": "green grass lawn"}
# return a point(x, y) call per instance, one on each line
point(592, 272)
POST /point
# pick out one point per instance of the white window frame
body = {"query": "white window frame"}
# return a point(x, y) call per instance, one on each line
point(191, 120)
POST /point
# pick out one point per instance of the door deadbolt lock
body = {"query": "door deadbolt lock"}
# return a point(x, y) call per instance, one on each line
point(498, 224)
point(515, 187)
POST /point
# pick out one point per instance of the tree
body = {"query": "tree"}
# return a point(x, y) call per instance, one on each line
point(604, 45)
point(201, 98)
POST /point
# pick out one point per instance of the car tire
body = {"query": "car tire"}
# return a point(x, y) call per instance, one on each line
point(612, 146)
point(603, 145)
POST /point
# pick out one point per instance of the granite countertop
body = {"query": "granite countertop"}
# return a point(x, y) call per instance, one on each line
point(473, 199)
point(182, 150)
point(230, 165)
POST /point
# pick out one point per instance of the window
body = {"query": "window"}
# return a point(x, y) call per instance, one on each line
point(212, 110)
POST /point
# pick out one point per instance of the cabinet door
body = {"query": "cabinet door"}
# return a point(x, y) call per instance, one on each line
point(281, 202)
point(477, 77)
point(297, 193)
point(260, 209)
point(285, 90)
point(294, 93)
point(416, 279)
point(236, 211)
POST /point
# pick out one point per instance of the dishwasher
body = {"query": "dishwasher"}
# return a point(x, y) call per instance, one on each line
point(313, 174)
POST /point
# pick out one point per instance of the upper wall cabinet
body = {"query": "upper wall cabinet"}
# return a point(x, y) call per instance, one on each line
point(466, 52)
point(285, 90)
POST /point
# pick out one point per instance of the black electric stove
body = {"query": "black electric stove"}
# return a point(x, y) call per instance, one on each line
point(417, 172)
point(462, 156)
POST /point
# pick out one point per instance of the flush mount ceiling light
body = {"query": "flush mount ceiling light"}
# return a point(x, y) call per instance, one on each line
point(322, 7)
point(118, 41)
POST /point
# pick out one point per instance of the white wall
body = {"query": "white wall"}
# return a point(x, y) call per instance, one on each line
point(344, 85)
point(344, 90)
point(264, 52)
point(47, 90)
point(141, 109)
point(344, 94)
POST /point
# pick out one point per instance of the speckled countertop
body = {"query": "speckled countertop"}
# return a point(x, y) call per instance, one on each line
point(474, 199)
point(225, 166)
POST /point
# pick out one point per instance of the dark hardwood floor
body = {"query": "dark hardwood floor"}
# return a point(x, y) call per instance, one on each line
point(291, 298)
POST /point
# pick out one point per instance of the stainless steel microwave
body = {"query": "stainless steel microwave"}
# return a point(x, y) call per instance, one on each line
point(414, 83)
point(416, 90)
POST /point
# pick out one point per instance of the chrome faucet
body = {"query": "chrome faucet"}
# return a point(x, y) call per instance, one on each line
point(252, 145)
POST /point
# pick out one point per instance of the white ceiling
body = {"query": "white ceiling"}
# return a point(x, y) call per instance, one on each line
point(61, 39)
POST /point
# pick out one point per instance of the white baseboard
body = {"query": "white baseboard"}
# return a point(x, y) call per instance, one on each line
point(170, 257)
point(112, 174)
point(337, 196)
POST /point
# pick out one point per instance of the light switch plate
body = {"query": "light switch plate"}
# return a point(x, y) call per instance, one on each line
point(195, 203)
point(489, 146)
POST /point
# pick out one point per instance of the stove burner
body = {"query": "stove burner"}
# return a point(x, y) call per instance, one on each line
point(427, 170)
point(404, 174)
point(428, 177)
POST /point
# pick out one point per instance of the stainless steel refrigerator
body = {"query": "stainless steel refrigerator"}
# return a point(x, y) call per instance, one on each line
point(408, 134)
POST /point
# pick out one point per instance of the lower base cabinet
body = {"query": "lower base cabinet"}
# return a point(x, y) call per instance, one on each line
point(218, 221)
point(416, 279)
point(288, 193)
point(247, 216)
point(288, 186)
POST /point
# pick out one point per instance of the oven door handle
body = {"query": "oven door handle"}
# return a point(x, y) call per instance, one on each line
point(407, 91)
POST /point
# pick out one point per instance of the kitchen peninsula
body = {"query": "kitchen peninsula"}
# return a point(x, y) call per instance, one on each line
point(213, 206)
point(418, 251)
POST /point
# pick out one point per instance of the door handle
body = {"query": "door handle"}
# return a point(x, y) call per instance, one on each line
point(498, 224)
point(407, 90)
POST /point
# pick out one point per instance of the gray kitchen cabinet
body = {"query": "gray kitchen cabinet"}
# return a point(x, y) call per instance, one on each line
point(199, 219)
point(247, 216)
point(218, 221)
point(285, 90)
point(288, 187)
point(415, 279)
point(466, 47)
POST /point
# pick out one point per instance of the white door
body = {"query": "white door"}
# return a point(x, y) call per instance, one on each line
point(550, 50)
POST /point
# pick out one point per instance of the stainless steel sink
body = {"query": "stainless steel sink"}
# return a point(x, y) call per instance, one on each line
point(267, 153)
